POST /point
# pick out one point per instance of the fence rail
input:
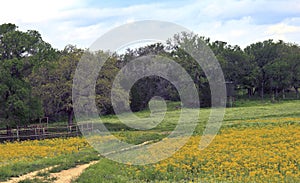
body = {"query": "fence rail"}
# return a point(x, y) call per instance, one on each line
point(42, 132)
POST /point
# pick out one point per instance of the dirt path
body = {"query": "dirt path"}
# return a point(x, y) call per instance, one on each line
point(66, 176)
point(27, 176)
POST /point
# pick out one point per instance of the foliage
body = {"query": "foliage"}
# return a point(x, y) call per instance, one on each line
point(37, 79)
point(53, 85)
point(273, 62)
point(20, 52)
point(17, 104)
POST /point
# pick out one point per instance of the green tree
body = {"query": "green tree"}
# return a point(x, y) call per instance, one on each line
point(146, 88)
point(292, 57)
point(18, 44)
point(262, 54)
point(20, 52)
point(17, 104)
point(193, 43)
point(236, 65)
point(105, 81)
point(52, 83)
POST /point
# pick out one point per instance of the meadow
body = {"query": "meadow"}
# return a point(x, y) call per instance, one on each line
point(19, 158)
point(258, 142)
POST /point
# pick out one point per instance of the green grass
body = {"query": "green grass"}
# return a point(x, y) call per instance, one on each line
point(60, 163)
point(243, 109)
point(262, 112)
point(35, 180)
point(108, 171)
point(247, 110)
point(38, 180)
point(43, 174)
point(138, 137)
point(104, 171)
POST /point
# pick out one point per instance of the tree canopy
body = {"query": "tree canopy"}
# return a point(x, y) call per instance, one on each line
point(36, 80)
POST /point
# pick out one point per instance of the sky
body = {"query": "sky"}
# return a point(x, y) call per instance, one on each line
point(81, 22)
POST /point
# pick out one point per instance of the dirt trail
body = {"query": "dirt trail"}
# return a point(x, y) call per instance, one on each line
point(26, 176)
point(65, 176)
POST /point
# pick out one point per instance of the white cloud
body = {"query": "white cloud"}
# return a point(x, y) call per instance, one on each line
point(237, 22)
point(286, 30)
point(282, 28)
point(35, 11)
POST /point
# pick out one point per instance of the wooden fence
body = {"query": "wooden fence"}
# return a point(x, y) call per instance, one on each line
point(42, 132)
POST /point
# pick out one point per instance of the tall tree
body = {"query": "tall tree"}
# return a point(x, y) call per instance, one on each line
point(262, 54)
point(292, 56)
point(18, 44)
point(20, 52)
point(17, 105)
point(178, 46)
point(148, 87)
point(236, 65)
point(52, 82)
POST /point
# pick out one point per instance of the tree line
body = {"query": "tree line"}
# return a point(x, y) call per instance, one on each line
point(36, 79)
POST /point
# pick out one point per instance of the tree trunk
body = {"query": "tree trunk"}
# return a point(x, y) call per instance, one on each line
point(262, 90)
point(273, 97)
point(250, 92)
point(70, 117)
point(297, 92)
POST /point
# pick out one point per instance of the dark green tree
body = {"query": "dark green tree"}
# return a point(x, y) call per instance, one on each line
point(20, 52)
point(262, 54)
point(17, 104)
point(52, 83)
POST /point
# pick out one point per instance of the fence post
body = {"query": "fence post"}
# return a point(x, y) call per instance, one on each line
point(44, 133)
point(18, 137)
point(35, 133)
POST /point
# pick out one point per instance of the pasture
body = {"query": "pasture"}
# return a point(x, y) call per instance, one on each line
point(258, 142)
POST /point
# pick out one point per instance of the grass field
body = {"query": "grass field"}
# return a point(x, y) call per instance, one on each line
point(19, 158)
point(258, 142)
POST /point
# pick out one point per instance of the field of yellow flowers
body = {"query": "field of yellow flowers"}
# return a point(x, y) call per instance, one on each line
point(255, 144)
point(28, 151)
point(261, 145)
point(268, 154)
point(19, 158)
